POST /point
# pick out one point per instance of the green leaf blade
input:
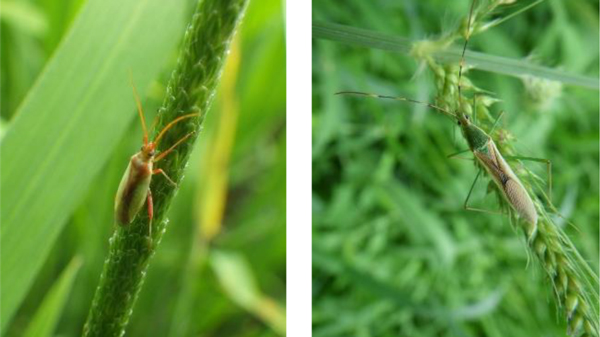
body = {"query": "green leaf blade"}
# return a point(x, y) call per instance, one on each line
point(492, 63)
point(68, 124)
point(49, 312)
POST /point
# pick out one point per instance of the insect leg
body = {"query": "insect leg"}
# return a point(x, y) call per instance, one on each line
point(548, 169)
point(455, 154)
point(157, 171)
point(466, 204)
point(150, 211)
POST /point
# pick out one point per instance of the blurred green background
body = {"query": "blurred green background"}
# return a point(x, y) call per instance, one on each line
point(394, 253)
point(220, 269)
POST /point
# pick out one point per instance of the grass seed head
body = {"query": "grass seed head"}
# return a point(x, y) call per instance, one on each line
point(567, 272)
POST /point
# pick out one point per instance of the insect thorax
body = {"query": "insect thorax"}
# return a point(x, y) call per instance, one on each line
point(476, 137)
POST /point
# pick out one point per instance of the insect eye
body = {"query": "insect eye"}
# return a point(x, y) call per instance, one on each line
point(467, 117)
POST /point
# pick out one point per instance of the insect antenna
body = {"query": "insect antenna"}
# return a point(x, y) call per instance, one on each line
point(462, 57)
point(170, 125)
point(155, 121)
point(512, 15)
point(139, 107)
point(398, 98)
point(166, 152)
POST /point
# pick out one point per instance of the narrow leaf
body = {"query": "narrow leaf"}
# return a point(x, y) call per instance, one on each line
point(68, 125)
point(47, 315)
point(236, 277)
point(498, 64)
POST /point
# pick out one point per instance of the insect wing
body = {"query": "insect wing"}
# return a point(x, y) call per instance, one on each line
point(132, 190)
point(508, 182)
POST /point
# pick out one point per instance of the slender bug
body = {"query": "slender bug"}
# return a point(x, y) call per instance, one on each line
point(134, 188)
point(485, 151)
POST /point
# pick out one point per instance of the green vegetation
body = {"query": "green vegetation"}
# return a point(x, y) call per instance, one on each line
point(394, 251)
point(79, 125)
point(190, 90)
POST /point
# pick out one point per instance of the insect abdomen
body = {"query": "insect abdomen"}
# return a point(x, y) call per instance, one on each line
point(509, 183)
point(520, 200)
point(133, 190)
